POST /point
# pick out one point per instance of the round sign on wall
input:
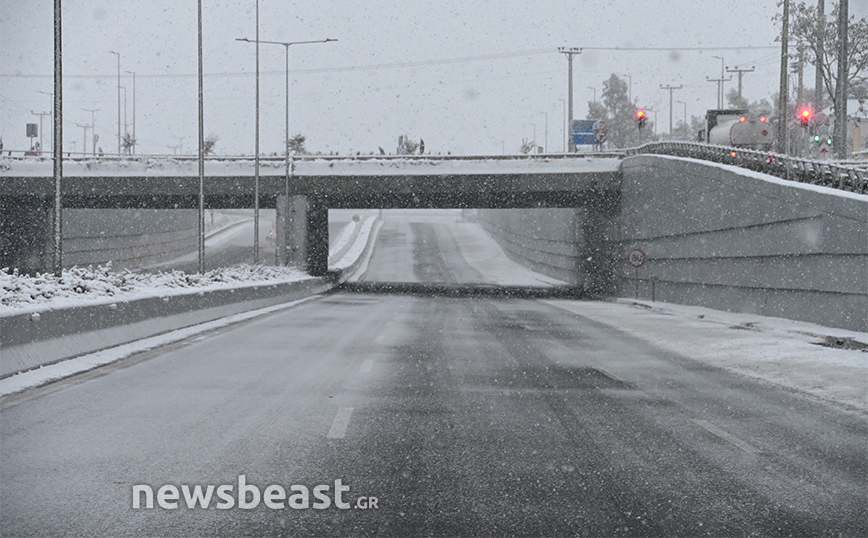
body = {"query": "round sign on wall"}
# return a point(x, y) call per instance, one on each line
point(636, 257)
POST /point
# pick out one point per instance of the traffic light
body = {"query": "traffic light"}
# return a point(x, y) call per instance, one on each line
point(640, 118)
point(805, 115)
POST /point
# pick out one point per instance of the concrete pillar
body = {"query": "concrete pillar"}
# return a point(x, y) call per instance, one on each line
point(26, 234)
point(308, 238)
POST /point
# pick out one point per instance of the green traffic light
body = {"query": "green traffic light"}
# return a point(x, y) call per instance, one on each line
point(816, 138)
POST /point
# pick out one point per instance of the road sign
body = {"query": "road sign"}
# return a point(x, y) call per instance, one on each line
point(600, 131)
point(582, 132)
point(636, 258)
point(32, 130)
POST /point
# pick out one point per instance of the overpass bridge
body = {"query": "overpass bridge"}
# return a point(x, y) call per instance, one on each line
point(714, 234)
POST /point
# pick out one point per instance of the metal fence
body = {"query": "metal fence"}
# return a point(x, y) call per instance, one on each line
point(850, 177)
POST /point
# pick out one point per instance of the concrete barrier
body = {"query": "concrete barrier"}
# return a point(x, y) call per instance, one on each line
point(30, 341)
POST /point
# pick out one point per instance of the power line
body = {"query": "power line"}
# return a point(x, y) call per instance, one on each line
point(400, 65)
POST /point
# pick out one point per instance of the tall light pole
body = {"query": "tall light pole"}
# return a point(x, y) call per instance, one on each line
point(534, 137)
point(630, 90)
point(546, 137)
point(783, 106)
point(289, 164)
point(133, 148)
point(841, 89)
point(57, 149)
point(685, 116)
point(201, 215)
point(118, 54)
point(93, 112)
point(124, 88)
point(564, 103)
point(570, 52)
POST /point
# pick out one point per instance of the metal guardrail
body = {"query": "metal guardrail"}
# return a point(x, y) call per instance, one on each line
point(848, 177)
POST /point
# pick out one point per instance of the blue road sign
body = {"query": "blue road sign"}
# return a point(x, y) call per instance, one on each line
point(582, 133)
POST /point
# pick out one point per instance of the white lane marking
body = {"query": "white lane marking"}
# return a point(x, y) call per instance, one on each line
point(611, 376)
point(367, 364)
point(726, 436)
point(340, 423)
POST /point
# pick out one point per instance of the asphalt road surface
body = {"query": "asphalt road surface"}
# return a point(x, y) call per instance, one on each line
point(462, 416)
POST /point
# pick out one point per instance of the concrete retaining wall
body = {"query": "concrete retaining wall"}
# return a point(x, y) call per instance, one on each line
point(714, 236)
point(28, 341)
point(720, 237)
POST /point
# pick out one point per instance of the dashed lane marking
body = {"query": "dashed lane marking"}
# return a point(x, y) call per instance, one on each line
point(340, 423)
point(726, 436)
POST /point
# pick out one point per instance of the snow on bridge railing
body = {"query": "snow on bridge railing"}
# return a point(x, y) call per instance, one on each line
point(848, 177)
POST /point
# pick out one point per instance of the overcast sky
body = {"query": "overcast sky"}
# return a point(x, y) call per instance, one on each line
point(467, 76)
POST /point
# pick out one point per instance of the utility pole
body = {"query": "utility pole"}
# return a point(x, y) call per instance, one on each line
point(741, 73)
point(783, 108)
point(41, 115)
point(821, 45)
point(840, 140)
point(50, 138)
point(719, 82)
point(570, 52)
point(799, 70)
point(671, 89)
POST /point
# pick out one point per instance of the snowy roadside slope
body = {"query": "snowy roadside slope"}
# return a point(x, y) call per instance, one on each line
point(776, 350)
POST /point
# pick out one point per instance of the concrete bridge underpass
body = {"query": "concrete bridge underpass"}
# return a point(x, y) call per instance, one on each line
point(713, 234)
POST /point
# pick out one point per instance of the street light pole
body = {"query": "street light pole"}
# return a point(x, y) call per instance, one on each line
point(685, 116)
point(289, 163)
point(118, 54)
point(93, 112)
point(546, 137)
point(570, 52)
point(564, 103)
point(134, 109)
point(630, 91)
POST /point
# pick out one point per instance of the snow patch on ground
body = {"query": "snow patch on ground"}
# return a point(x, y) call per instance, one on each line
point(311, 166)
point(78, 286)
point(486, 256)
point(772, 179)
point(779, 351)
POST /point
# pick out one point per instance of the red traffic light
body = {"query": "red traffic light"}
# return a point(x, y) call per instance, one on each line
point(805, 115)
point(641, 117)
